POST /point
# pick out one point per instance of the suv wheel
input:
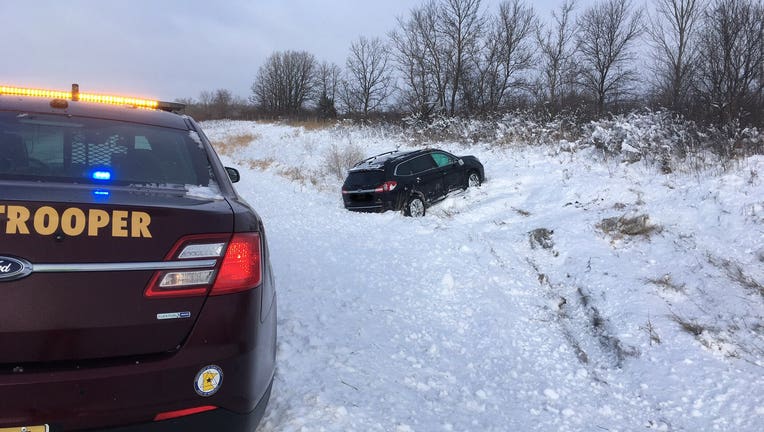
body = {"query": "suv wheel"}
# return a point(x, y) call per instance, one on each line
point(473, 180)
point(414, 207)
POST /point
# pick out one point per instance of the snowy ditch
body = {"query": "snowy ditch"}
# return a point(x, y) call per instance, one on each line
point(569, 292)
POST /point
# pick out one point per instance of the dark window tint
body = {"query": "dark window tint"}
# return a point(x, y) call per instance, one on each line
point(72, 149)
point(416, 165)
point(365, 178)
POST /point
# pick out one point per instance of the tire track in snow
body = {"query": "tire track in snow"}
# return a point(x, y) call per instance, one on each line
point(586, 332)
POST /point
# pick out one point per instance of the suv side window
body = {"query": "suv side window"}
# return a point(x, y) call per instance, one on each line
point(442, 159)
point(415, 166)
point(404, 169)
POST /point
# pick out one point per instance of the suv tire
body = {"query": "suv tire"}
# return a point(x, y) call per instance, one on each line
point(414, 207)
point(473, 179)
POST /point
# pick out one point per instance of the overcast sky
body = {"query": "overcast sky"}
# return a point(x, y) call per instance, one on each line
point(170, 49)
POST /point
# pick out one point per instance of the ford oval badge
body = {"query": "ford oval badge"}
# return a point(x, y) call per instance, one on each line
point(13, 268)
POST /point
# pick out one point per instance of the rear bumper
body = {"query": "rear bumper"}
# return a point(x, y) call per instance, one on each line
point(368, 209)
point(217, 420)
point(371, 202)
point(228, 334)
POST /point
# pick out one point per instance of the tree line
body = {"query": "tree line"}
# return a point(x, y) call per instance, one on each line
point(703, 59)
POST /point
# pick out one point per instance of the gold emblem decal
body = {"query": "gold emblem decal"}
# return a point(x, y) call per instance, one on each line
point(208, 380)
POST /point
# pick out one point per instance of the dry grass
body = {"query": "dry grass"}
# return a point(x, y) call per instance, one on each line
point(296, 175)
point(293, 174)
point(260, 164)
point(692, 327)
point(715, 339)
point(521, 212)
point(736, 273)
point(310, 125)
point(652, 332)
point(618, 227)
point(667, 283)
point(233, 143)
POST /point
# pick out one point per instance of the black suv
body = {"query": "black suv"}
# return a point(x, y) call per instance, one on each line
point(408, 181)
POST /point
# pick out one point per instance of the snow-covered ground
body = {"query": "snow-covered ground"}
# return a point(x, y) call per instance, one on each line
point(516, 306)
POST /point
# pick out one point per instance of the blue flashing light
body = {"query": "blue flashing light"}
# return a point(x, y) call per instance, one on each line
point(101, 194)
point(101, 175)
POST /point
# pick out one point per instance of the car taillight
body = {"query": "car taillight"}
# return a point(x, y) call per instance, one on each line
point(180, 282)
point(242, 265)
point(386, 186)
point(233, 265)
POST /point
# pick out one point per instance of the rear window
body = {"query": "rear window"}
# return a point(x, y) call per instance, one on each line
point(83, 150)
point(365, 178)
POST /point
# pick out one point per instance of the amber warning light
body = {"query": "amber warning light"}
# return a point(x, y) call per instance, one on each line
point(75, 95)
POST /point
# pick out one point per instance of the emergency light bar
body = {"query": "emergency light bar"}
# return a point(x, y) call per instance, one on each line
point(75, 95)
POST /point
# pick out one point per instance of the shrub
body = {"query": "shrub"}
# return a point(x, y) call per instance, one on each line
point(339, 160)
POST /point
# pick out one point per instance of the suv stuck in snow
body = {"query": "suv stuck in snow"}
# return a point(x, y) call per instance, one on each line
point(136, 287)
point(408, 181)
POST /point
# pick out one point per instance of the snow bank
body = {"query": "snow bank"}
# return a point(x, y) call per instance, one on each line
point(462, 321)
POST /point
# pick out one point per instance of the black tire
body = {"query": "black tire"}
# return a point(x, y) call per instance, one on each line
point(414, 207)
point(473, 179)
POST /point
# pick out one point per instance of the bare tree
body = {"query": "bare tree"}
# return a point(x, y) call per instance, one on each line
point(672, 30)
point(460, 25)
point(217, 104)
point(285, 82)
point(732, 60)
point(506, 53)
point(368, 76)
point(420, 60)
point(557, 47)
point(607, 31)
point(408, 52)
point(328, 78)
point(222, 104)
point(206, 99)
point(436, 50)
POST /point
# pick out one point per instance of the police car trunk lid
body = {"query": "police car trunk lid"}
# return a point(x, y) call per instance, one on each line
point(53, 316)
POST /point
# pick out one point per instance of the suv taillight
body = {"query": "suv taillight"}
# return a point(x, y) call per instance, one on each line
point(386, 186)
point(237, 266)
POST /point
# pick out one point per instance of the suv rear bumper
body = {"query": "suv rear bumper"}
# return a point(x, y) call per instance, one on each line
point(368, 208)
point(372, 202)
point(228, 334)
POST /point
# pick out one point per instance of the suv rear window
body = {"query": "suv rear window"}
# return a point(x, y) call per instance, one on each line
point(365, 178)
point(81, 150)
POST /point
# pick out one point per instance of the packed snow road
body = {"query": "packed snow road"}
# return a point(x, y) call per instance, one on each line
point(509, 307)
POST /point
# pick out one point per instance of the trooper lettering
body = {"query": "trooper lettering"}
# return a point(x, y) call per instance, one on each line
point(73, 221)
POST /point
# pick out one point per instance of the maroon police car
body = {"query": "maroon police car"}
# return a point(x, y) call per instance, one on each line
point(135, 287)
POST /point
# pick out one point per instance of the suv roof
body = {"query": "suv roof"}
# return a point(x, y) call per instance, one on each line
point(380, 160)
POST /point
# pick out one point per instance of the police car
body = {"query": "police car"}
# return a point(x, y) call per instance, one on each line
point(136, 292)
